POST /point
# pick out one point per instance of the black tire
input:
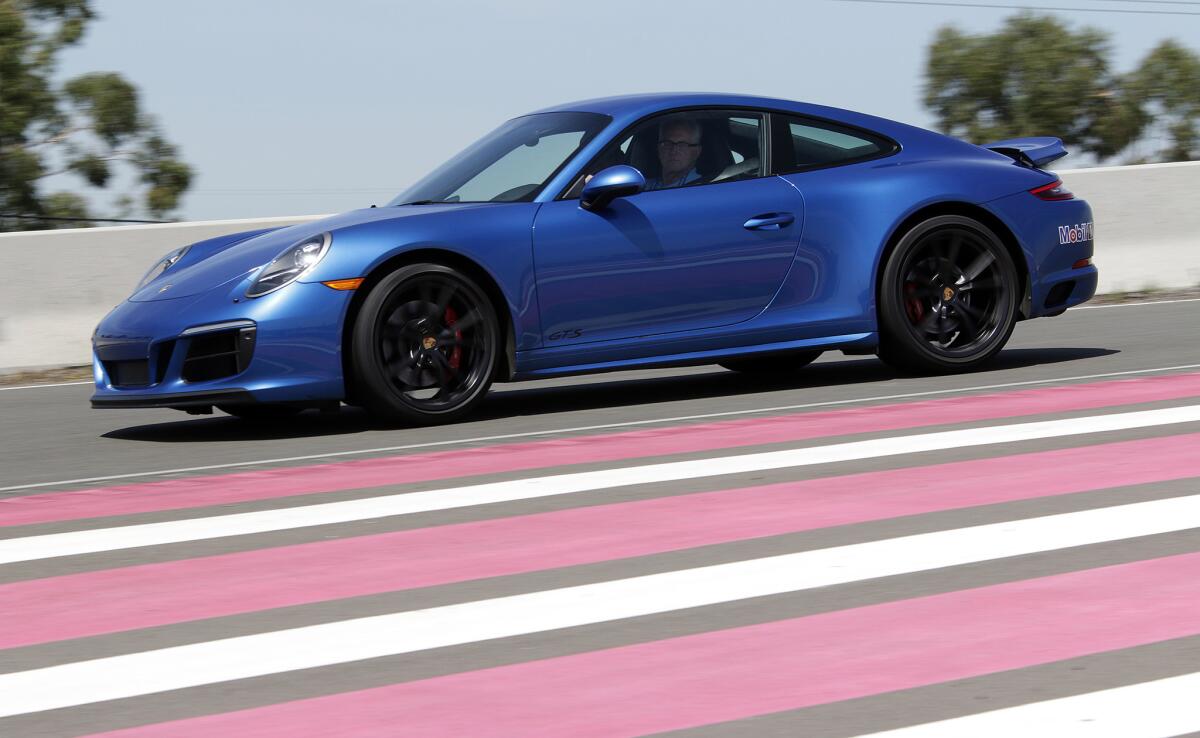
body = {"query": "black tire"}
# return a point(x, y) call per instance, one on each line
point(425, 346)
point(263, 413)
point(772, 364)
point(948, 297)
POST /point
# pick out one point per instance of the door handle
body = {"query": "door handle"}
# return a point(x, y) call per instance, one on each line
point(769, 222)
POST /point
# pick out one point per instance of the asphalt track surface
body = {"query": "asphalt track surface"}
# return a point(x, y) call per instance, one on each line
point(694, 552)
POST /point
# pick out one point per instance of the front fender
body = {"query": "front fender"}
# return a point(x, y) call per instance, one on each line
point(497, 238)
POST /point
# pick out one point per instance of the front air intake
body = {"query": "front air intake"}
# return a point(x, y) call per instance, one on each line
point(124, 374)
point(218, 355)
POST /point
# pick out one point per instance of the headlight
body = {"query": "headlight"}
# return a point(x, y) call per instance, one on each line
point(161, 266)
point(290, 265)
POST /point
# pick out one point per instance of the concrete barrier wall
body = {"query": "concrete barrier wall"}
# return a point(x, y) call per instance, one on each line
point(58, 284)
point(1147, 224)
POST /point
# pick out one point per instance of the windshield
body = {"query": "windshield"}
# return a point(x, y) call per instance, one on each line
point(510, 164)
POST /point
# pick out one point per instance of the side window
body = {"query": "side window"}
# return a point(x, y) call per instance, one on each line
point(685, 148)
point(801, 143)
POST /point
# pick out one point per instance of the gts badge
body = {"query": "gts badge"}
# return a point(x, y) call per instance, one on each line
point(568, 333)
point(1075, 233)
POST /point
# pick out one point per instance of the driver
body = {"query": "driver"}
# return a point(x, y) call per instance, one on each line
point(678, 149)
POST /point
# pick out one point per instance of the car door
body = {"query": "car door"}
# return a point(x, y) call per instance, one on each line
point(710, 253)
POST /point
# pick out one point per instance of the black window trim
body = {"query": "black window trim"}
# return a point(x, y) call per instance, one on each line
point(764, 143)
point(532, 197)
point(533, 194)
point(893, 147)
point(770, 118)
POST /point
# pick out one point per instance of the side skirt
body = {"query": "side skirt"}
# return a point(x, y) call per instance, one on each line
point(857, 343)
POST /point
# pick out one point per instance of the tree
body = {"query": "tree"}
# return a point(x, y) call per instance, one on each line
point(1035, 76)
point(1167, 83)
point(85, 126)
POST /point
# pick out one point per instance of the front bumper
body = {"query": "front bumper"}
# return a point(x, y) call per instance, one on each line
point(178, 400)
point(286, 347)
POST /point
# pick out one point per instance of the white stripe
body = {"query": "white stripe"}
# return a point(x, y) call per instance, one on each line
point(1043, 381)
point(1158, 709)
point(1135, 304)
point(251, 224)
point(1130, 167)
point(177, 531)
point(40, 386)
point(604, 426)
point(130, 675)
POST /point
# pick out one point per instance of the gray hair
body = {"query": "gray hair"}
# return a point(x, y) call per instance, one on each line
point(681, 121)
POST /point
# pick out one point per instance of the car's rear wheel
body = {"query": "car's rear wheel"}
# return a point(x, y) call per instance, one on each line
point(425, 345)
point(773, 364)
point(948, 297)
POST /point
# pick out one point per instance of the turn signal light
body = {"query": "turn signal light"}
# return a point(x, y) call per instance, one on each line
point(1056, 190)
point(344, 284)
point(1082, 263)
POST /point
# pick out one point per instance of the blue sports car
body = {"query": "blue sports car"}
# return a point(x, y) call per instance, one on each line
point(647, 230)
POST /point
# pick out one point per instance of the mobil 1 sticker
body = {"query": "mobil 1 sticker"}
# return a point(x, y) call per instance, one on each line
point(1077, 233)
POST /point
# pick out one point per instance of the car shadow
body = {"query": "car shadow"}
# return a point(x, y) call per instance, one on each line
point(516, 401)
point(624, 392)
point(225, 428)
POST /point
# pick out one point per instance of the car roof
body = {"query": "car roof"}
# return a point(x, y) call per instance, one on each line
point(652, 101)
point(625, 108)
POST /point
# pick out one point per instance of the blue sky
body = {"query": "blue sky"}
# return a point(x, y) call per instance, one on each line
point(306, 106)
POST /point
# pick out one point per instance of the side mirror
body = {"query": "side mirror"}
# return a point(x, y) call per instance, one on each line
point(609, 184)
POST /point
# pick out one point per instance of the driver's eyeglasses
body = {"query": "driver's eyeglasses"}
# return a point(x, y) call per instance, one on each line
point(676, 145)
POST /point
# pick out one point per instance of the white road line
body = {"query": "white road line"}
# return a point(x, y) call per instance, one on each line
point(1135, 304)
point(178, 667)
point(1079, 307)
point(1128, 167)
point(587, 428)
point(40, 386)
point(281, 220)
point(74, 543)
point(1158, 709)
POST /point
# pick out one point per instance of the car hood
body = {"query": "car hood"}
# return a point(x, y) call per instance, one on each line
point(238, 261)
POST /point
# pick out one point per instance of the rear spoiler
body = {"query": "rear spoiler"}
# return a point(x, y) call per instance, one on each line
point(1033, 152)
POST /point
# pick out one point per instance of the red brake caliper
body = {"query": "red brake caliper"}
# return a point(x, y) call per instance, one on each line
point(456, 354)
point(912, 304)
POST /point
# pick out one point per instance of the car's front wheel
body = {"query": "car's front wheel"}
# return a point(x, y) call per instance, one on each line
point(425, 345)
point(948, 297)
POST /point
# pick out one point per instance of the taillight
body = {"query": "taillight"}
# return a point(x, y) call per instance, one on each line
point(1056, 190)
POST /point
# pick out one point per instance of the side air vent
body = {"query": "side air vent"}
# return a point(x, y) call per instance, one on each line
point(218, 355)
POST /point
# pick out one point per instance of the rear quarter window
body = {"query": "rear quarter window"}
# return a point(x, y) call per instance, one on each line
point(801, 143)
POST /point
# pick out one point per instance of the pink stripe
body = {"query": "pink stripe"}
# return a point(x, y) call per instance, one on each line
point(93, 603)
point(742, 672)
point(229, 488)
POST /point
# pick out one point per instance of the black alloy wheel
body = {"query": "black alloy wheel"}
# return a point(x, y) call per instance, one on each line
point(948, 298)
point(773, 363)
point(425, 345)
